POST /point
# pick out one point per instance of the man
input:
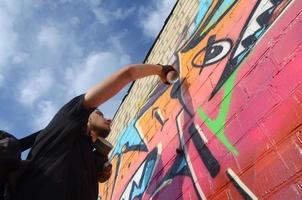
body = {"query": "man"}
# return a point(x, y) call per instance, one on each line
point(63, 164)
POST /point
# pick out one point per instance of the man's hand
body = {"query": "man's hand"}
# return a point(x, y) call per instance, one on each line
point(169, 75)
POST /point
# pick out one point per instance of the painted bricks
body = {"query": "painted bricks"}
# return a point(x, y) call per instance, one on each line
point(132, 99)
point(266, 168)
point(289, 113)
point(250, 127)
point(259, 78)
point(288, 41)
point(286, 80)
point(292, 191)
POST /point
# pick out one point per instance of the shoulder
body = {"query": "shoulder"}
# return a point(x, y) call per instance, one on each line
point(75, 108)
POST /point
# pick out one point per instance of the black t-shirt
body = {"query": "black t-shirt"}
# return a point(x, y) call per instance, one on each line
point(63, 165)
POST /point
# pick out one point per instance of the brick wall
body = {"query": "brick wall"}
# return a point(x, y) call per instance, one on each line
point(163, 51)
point(230, 128)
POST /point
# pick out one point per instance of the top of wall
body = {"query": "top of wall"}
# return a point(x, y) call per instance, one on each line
point(162, 51)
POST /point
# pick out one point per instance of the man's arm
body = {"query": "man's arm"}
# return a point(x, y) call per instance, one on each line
point(117, 81)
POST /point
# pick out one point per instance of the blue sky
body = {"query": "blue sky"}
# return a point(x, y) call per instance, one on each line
point(53, 50)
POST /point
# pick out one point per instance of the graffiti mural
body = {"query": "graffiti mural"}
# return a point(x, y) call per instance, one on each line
point(231, 127)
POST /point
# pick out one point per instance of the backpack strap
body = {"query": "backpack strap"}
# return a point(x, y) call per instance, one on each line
point(28, 141)
point(25, 143)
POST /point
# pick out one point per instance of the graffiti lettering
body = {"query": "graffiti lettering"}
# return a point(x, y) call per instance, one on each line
point(217, 11)
point(256, 25)
point(130, 140)
point(140, 180)
point(197, 186)
point(159, 117)
point(225, 32)
point(213, 52)
point(178, 168)
point(206, 155)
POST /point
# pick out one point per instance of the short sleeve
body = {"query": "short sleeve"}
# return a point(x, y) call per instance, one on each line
point(66, 126)
point(75, 109)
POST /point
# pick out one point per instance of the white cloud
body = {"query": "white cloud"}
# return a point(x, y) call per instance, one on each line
point(57, 43)
point(37, 84)
point(8, 37)
point(94, 69)
point(101, 15)
point(50, 37)
point(122, 13)
point(46, 110)
point(153, 20)
point(10, 11)
point(71, 64)
point(19, 57)
point(105, 16)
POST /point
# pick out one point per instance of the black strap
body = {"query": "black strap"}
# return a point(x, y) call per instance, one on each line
point(28, 141)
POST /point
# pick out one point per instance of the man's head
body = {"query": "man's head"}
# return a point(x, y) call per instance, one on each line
point(98, 124)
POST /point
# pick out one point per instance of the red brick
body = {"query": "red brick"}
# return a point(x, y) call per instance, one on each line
point(207, 183)
point(238, 99)
point(224, 194)
point(291, 152)
point(255, 109)
point(265, 175)
point(233, 192)
point(169, 150)
point(292, 192)
point(232, 130)
point(260, 77)
point(290, 14)
point(250, 147)
point(213, 107)
point(201, 96)
point(282, 120)
point(190, 193)
point(297, 94)
point(217, 147)
point(289, 78)
point(169, 147)
point(210, 106)
point(216, 73)
point(212, 185)
point(243, 69)
point(288, 41)
point(274, 33)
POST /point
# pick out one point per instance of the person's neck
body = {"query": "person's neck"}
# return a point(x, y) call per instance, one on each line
point(91, 134)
